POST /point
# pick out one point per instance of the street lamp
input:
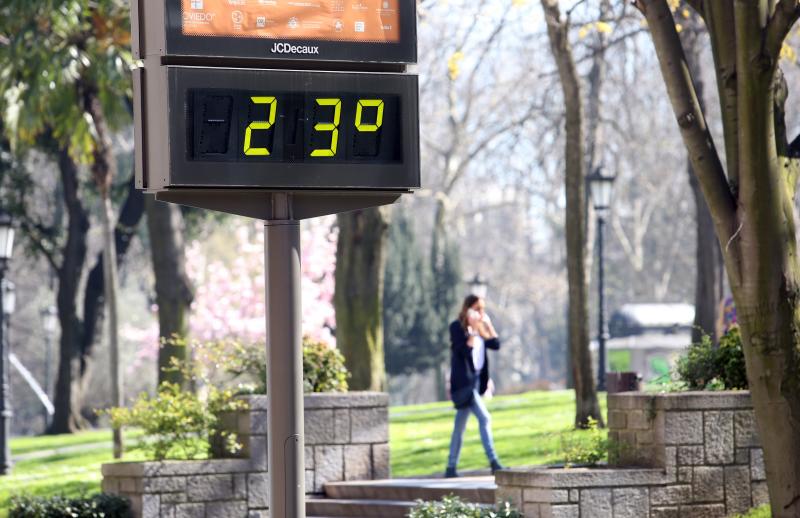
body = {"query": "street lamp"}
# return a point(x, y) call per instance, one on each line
point(6, 299)
point(49, 317)
point(601, 189)
point(478, 286)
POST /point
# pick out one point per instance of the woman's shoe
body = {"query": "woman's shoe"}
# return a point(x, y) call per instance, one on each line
point(496, 466)
point(450, 473)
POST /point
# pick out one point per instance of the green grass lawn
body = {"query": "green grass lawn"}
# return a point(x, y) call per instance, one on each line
point(527, 431)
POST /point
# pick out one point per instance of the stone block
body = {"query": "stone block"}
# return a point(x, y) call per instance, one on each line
point(369, 425)
point(258, 513)
point(258, 490)
point(509, 494)
point(190, 511)
point(172, 498)
point(232, 509)
point(319, 427)
point(240, 487)
point(631, 502)
point(341, 424)
point(690, 455)
point(671, 495)
point(357, 462)
point(574, 495)
point(746, 430)
point(204, 488)
point(737, 489)
point(259, 424)
point(310, 482)
point(638, 420)
point(760, 493)
point(329, 465)
point(164, 484)
point(702, 511)
point(308, 455)
point(110, 485)
point(564, 511)
point(685, 475)
point(617, 419)
point(683, 428)
point(546, 496)
point(346, 400)
point(258, 453)
point(645, 437)
point(596, 503)
point(757, 469)
point(663, 512)
point(742, 455)
point(708, 484)
point(130, 485)
point(718, 428)
point(167, 510)
point(381, 466)
point(151, 506)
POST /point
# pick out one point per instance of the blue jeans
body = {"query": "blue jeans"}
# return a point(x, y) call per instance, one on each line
point(484, 424)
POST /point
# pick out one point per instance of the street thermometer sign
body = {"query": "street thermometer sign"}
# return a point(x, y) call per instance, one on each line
point(278, 110)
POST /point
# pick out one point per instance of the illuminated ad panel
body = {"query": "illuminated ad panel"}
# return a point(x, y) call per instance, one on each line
point(358, 21)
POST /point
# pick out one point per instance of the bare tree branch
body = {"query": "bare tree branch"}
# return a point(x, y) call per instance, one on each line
point(779, 25)
point(690, 117)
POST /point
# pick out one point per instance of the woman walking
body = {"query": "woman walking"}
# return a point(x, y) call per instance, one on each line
point(470, 336)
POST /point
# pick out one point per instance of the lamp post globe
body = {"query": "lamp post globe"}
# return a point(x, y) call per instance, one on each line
point(7, 302)
point(478, 286)
point(601, 189)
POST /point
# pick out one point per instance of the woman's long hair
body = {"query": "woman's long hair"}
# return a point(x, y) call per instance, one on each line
point(469, 301)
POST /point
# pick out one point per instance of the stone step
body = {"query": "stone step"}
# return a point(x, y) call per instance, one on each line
point(365, 508)
point(479, 490)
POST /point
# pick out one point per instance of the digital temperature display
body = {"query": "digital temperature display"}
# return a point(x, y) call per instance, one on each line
point(290, 127)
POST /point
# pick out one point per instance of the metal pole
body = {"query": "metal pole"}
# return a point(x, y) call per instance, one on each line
point(5, 387)
point(285, 447)
point(601, 324)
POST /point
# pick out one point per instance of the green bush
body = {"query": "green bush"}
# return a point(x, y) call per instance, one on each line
point(586, 448)
point(706, 367)
point(95, 506)
point(453, 507)
point(323, 367)
point(178, 424)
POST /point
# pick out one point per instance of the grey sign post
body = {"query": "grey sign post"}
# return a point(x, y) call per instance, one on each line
point(224, 123)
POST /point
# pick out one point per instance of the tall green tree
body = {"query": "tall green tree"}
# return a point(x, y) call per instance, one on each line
point(751, 198)
point(410, 330)
point(358, 295)
point(66, 80)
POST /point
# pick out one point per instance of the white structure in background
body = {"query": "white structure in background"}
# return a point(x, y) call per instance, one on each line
point(652, 335)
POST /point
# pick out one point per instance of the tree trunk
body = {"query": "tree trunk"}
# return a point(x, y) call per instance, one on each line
point(754, 220)
point(708, 257)
point(174, 292)
point(104, 169)
point(68, 390)
point(578, 326)
point(93, 298)
point(358, 297)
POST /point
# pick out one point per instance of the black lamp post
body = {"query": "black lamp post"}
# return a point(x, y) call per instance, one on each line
point(478, 286)
point(49, 324)
point(601, 189)
point(6, 299)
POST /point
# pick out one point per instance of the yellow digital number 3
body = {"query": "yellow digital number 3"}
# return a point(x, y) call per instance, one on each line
point(333, 127)
point(260, 125)
point(369, 103)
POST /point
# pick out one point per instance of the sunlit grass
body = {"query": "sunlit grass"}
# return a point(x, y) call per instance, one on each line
point(527, 431)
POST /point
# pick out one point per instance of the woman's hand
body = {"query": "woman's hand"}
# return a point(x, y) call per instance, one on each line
point(471, 336)
point(486, 327)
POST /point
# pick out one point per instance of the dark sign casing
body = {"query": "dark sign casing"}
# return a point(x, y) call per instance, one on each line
point(251, 31)
point(275, 129)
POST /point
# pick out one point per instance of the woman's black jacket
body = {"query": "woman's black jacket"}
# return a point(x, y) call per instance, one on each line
point(462, 370)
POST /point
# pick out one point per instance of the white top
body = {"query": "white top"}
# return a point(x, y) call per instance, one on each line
point(478, 352)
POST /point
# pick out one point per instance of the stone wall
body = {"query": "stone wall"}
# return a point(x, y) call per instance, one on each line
point(679, 455)
point(346, 438)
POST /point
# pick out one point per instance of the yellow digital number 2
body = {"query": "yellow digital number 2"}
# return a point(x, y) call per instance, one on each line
point(333, 127)
point(369, 103)
point(260, 125)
